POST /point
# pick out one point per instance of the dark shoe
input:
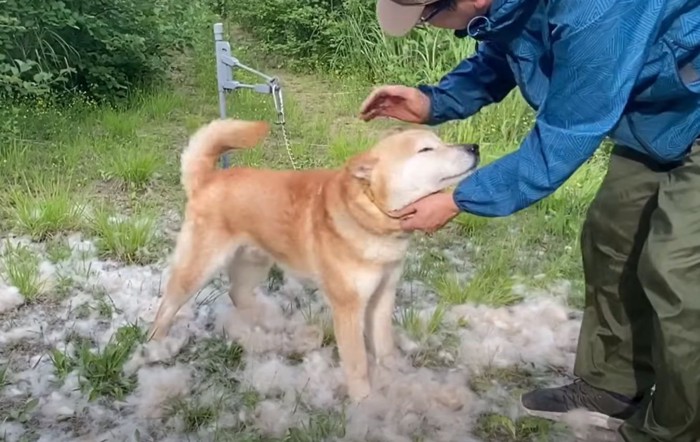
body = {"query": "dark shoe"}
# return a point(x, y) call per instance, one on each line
point(605, 409)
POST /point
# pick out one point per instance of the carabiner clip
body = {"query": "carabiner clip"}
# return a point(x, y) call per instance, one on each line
point(277, 97)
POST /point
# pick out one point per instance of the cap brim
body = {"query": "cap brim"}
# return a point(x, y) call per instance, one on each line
point(397, 20)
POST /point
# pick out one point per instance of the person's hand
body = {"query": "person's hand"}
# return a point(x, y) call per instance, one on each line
point(400, 102)
point(428, 214)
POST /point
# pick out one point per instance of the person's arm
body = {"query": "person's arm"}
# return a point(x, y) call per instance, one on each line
point(599, 49)
point(477, 81)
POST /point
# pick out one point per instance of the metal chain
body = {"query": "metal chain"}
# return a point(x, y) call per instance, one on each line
point(281, 121)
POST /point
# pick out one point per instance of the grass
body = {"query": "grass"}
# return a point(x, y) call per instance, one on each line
point(113, 175)
point(320, 426)
point(322, 319)
point(58, 249)
point(437, 342)
point(43, 209)
point(131, 239)
point(3, 376)
point(193, 413)
point(419, 328)
point(221, 357)
point(63, 363)
point(499, 428)
point(100, 371)
point(20, 267)
point(133, 166)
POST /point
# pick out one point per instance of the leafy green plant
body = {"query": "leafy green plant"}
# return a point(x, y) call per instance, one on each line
point(102, 47)
point(303, 32)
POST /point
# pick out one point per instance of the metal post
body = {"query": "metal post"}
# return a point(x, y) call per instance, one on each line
point(223, 72)
point(224, 75)
point(225, 64)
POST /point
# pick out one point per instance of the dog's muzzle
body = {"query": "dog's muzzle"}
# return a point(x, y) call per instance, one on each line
point(471, 149)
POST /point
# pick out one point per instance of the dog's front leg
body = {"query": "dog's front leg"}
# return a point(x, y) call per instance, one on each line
point(348, 325)
point(380, 311)
point(349, 293)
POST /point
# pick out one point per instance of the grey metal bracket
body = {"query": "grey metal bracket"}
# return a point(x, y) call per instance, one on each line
point(226, 63)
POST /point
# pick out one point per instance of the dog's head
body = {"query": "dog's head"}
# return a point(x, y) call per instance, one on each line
point(408, 165)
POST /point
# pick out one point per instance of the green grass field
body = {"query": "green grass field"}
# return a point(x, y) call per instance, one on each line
point(91, 203)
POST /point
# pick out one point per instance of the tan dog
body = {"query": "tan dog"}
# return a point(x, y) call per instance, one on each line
point(333, 226)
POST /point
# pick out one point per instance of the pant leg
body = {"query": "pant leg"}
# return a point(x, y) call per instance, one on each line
point(669, 271)
point(614, 347)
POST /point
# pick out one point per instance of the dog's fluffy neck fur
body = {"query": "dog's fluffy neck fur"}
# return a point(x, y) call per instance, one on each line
point(365, 207)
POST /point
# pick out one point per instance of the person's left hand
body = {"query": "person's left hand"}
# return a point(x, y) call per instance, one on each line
point(428, 214)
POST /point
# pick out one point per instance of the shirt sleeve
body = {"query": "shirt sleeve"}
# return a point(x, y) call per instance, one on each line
point(598, 50)
point(477, 81)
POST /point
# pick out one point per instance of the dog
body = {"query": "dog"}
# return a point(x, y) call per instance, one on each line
point(333, 226)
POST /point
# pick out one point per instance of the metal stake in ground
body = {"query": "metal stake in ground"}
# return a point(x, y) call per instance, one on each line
point(225, 64)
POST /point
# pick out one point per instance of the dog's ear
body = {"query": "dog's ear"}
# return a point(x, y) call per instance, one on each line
point(391, 131)
point(398, 128)
point(361, 166)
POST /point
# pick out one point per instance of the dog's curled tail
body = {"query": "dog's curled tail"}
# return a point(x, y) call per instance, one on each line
point(210, 141)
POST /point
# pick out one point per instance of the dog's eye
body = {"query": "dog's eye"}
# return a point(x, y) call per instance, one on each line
point(425, 149)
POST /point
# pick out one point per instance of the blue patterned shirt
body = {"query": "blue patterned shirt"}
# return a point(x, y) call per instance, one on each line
point(624, 69)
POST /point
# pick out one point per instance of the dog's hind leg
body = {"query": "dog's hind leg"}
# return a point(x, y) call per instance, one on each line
point(199, 253)
point(248, 269)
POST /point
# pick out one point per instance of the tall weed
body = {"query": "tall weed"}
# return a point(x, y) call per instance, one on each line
point(423, 56)
point(342, 37)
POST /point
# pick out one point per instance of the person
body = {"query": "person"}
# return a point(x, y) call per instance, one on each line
point(623, 69)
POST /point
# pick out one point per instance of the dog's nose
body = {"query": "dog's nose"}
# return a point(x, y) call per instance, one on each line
point(471, 148)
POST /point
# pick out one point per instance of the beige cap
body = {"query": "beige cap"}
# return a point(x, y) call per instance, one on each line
point(398, 17)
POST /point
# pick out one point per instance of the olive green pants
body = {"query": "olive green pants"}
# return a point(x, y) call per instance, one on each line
point(641, 326)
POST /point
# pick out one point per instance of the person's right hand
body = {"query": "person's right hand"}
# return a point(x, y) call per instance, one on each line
point(400, 102)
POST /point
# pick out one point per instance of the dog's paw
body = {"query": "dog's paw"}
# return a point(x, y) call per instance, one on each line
point(358, 390)
point(306, 339)
point(389, 362)
point(265, 314)
point(450, 399)
point(156, 333)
